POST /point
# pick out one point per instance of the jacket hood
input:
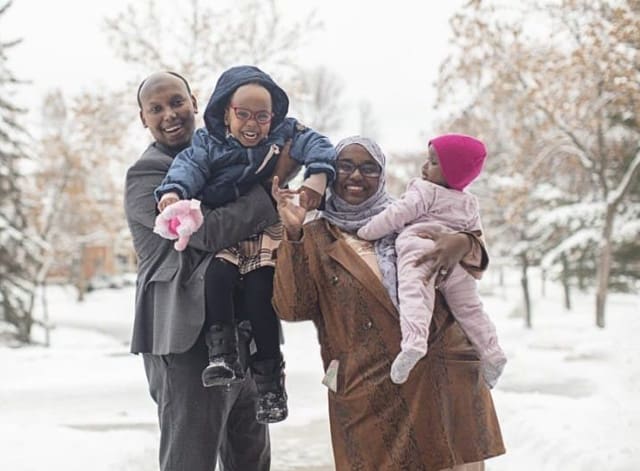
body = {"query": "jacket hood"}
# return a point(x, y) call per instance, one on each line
point(228, 83)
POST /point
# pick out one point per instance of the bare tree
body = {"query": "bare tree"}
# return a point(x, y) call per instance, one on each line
point(80, 178)
point(573, 91)
point(319, 98)
point(200, 39)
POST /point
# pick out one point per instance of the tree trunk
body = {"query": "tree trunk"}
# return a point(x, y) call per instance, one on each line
point(524, 282)
point(582, 272)
point(565, 283)
point(80, 281)
point(503, 289)
point(604, 266)
point(45, 315)
point(543, 280)
point(24, 329)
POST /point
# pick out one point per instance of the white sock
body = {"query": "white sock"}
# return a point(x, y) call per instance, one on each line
point(492, 369)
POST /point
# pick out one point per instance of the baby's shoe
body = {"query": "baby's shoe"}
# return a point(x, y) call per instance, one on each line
point(403, 364)
point(492, 367)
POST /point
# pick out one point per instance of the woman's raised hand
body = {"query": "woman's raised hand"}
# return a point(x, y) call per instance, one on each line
point(291, 214)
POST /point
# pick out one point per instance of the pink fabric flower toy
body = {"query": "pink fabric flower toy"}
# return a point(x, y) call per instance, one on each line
point(178, 221)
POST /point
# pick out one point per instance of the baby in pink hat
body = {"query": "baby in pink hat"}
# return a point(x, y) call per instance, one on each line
point(438, 202)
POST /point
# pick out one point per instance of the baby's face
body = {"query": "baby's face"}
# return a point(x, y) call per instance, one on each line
point(249, 114)
point(431, 170)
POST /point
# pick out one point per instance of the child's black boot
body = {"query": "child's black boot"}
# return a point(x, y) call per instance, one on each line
point(224, 365)
point(272, 397)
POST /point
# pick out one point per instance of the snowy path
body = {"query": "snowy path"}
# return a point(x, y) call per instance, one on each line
point(84, 401)
point(567, 401)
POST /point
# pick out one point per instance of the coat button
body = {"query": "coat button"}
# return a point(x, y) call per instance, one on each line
point(368, 325)
point(334, 280)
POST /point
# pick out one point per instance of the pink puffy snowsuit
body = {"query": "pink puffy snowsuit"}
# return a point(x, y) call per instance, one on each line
point(426, 206)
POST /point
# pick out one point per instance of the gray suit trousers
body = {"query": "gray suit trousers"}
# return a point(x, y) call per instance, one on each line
point(198, 425)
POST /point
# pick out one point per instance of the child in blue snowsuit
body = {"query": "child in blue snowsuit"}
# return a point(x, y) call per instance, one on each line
point(246, 127)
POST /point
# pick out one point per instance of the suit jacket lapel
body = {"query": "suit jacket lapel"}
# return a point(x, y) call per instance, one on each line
point(341, 252)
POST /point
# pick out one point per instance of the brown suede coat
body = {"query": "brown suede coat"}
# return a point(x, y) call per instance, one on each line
point(442, 416)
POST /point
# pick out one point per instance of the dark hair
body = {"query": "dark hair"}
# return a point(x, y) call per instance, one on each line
point(175, 74)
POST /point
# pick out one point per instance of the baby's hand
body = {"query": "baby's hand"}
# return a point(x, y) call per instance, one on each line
point(313, 198)
point(168, 199)
point(364, 233)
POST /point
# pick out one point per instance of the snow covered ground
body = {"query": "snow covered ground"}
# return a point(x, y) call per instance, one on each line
point(568, 399)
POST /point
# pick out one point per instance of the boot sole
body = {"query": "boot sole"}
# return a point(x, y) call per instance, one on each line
point(219, 377)
point(271, 419)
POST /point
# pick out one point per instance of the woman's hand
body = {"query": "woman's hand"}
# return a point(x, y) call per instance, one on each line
point(448, 250)
point(291, 214)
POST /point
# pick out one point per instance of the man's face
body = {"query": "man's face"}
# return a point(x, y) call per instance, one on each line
point(168, 110)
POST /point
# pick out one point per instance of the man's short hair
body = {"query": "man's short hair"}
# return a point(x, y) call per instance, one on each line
point(175, 74)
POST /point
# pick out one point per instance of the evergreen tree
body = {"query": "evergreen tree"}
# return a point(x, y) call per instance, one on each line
point(18, 248)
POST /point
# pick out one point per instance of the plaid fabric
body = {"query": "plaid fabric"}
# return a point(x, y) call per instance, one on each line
point(256, 251)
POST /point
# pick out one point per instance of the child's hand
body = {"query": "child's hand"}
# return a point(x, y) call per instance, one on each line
point(291, 214)
point(363, 233)
point(286, 168)
point(168, 199)
point(313, 198)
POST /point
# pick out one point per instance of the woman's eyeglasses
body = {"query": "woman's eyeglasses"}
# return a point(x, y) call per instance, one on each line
point(367, 169)
point(243, 114)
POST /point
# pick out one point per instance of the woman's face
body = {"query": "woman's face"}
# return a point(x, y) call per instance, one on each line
point(358, 174)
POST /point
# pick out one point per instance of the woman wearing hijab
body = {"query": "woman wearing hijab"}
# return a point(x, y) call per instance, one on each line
point(443, 417)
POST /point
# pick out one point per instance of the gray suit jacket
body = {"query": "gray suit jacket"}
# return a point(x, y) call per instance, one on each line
point(170, 308)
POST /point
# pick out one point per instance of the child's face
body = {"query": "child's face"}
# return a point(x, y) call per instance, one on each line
point(248, 115)
point(431, 170)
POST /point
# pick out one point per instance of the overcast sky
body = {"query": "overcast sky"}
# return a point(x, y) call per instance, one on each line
point(386, 52)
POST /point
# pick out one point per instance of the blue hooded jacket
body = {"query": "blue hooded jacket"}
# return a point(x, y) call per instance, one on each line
point(217, 168)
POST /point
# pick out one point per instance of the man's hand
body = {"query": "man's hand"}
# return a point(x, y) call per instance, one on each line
point(168, 199)
point(448, 250)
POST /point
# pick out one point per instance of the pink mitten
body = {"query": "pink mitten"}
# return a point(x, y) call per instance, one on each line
point(190, 222)
point(178, 221)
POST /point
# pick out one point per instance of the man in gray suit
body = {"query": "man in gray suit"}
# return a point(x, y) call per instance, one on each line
point(198, 425)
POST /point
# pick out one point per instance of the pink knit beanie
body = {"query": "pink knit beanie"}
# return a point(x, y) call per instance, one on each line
point(461, 158)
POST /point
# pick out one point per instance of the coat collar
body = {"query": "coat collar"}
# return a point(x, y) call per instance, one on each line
point(341, 252)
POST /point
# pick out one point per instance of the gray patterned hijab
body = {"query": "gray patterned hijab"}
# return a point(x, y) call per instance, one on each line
point(349, 217)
